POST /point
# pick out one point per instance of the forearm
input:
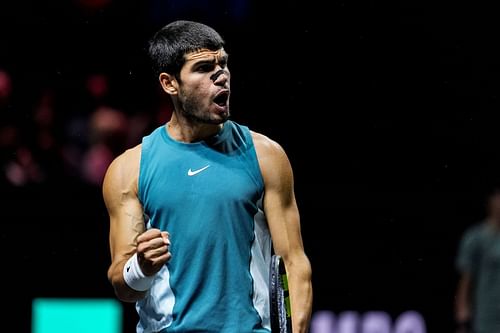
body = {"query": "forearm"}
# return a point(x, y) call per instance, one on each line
point(462, 306)
point(122, 290)
point(301, 294)
point(462, 309)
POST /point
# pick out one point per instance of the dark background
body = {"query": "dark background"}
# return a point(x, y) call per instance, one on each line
point(388, 112)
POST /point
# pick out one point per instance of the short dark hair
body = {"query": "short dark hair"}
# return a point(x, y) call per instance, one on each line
point(168, 46)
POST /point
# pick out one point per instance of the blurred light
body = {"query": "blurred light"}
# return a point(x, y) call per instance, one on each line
point(58, 315)
point(370, 322)
point(5, 84)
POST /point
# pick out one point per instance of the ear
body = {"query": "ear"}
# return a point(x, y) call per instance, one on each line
point(168, 83)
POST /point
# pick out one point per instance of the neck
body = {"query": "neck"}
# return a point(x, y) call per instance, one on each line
point(185, 131)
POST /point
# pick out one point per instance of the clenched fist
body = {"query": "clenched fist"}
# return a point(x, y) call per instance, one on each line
point(153, 250)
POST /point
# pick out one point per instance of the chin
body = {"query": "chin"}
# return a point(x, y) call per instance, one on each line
point(221, 118)
point(219, 121)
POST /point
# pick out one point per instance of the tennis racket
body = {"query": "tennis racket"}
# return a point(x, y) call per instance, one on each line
point(281, 315)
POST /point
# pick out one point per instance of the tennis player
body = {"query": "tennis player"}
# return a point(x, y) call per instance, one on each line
point(198, 206)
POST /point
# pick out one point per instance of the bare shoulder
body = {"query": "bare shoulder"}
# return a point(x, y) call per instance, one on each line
point(123, 172)
point(270, 154)
point(266, 146)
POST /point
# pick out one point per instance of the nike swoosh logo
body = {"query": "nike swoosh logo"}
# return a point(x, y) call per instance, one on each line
point(194, 172)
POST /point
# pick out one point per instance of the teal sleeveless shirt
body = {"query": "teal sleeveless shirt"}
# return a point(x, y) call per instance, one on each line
point(208, 196)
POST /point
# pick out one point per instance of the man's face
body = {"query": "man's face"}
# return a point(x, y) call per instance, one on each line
point(204, 87)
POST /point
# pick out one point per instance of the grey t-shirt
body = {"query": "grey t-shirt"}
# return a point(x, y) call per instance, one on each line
point(479, 255)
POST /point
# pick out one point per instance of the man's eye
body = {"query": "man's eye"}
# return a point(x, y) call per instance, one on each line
point(205, 68)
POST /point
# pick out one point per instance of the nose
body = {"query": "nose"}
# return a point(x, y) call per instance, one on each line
point(220, 77)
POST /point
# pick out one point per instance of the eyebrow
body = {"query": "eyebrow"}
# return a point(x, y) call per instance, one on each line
point(211, 60)
point(216, 56)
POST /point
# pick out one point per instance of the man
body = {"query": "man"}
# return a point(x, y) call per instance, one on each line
point(478, 261)
point(198, 207)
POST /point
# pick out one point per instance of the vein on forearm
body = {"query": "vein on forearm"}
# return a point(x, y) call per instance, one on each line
point(137, 224)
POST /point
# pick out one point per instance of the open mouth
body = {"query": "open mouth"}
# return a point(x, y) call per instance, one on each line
point(221, 98)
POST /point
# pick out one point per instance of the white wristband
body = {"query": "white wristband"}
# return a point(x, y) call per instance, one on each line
point(134, 277)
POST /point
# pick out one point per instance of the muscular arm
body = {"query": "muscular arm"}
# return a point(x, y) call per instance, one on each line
point(127, 234)
point(282, 214)
point(125, 217)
